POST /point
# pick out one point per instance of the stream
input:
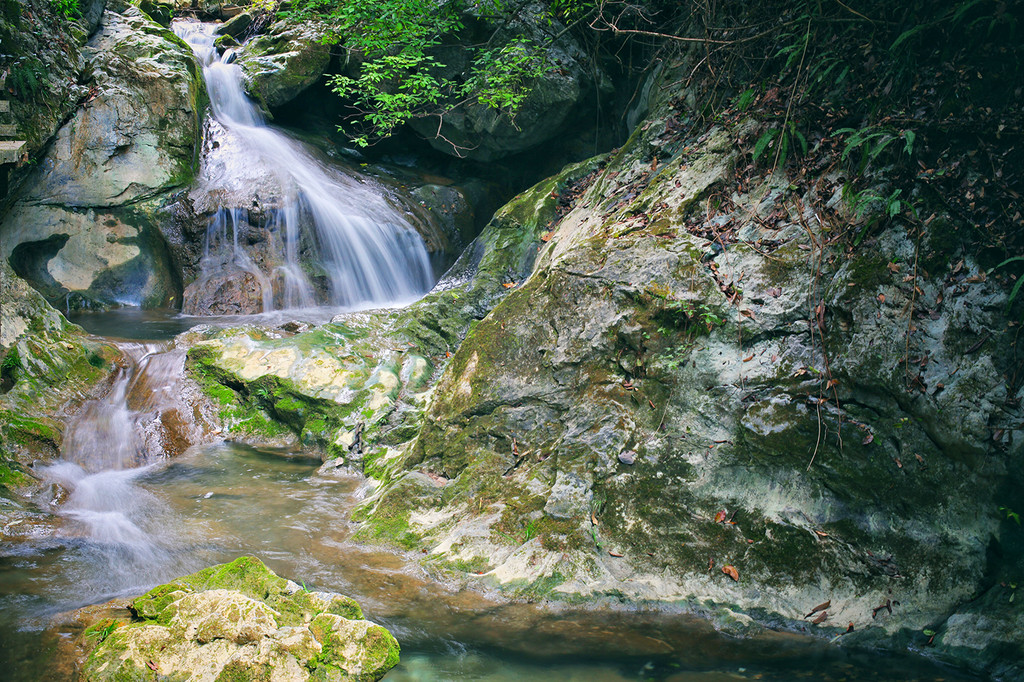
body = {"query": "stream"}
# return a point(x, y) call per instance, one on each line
point(123, 519)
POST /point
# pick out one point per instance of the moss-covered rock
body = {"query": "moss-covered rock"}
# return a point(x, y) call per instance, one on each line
point(283, 62)
point(238, 621)
point(692, 375)
point(45, 64)
point(47, 365)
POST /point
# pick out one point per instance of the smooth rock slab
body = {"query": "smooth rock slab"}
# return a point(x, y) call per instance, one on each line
point(238, 621)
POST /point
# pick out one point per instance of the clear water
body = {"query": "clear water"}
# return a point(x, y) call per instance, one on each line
point(223, 500)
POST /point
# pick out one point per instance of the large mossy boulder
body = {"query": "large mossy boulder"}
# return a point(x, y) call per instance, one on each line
point(695, 375)
point(283, 62)
point(238, 621)
point(87, 229)
point(44, 63)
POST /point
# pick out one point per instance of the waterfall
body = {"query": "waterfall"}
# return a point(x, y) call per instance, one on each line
point(364, 251)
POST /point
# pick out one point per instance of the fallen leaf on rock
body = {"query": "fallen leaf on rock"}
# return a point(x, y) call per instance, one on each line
point(731, 572)
point(508, 285)
point(720, 516)
point(819, 607)
point(614, 553)
point(747, 313)
point(748, 358)
point(821, 618)
point(593, 518)
point(849, 628)
point(821, 534)
point(151, 665)
point(868, 439)
point(881, 298)
point(627, 457)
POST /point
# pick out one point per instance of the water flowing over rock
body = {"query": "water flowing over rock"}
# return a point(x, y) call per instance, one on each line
point(289, 229)
point(238, 621)
point(86, 231)
point(48, 367)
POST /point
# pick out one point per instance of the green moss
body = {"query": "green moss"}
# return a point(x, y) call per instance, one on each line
point(241, 671)
point(475, 566)
point(388, 523)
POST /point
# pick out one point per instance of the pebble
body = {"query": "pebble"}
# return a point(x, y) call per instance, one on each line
point(627, 457)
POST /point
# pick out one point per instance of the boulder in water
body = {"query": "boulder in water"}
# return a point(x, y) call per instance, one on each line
point(283, 62)
point(238, 621)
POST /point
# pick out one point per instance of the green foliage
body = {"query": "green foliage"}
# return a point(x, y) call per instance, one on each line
point(1009, 303)
point(501, 78)
point(401, 75)
point(1010, 514)
point(68, 9)
point(781, 140)
point(872, 141)
point(28, 77)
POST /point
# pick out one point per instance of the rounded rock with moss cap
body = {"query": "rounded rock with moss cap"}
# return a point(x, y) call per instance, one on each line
point(238, 621)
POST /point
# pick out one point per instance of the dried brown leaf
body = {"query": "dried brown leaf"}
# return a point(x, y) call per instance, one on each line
point(731, 572)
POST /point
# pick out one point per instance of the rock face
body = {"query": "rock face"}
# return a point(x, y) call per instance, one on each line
point(44, 83)
point(239, 621)
point(690, 376)
point(283, 62)
point(46, 364)
point(236, 292)
point(87, 230)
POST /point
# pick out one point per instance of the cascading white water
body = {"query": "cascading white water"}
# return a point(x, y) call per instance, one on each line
point(366, 250)
point(111, 443)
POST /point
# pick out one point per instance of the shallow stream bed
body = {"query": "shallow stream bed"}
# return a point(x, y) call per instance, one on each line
point(147, 525)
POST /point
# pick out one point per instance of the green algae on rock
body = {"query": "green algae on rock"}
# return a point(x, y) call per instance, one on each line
point(238, 621)
point(47, 364)
point(283, 62)
point(643, 377)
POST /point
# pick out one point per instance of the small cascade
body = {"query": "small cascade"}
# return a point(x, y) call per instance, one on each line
point(325, 237)
point(113, 442)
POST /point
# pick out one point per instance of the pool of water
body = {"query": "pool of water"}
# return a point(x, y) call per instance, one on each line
point(122, 532)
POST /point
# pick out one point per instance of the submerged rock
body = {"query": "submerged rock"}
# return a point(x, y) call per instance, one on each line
point(238, 621)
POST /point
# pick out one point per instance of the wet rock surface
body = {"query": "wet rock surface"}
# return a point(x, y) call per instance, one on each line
point(86, 232)
point(283, 62)
point(48, 368)
point(239, 621)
